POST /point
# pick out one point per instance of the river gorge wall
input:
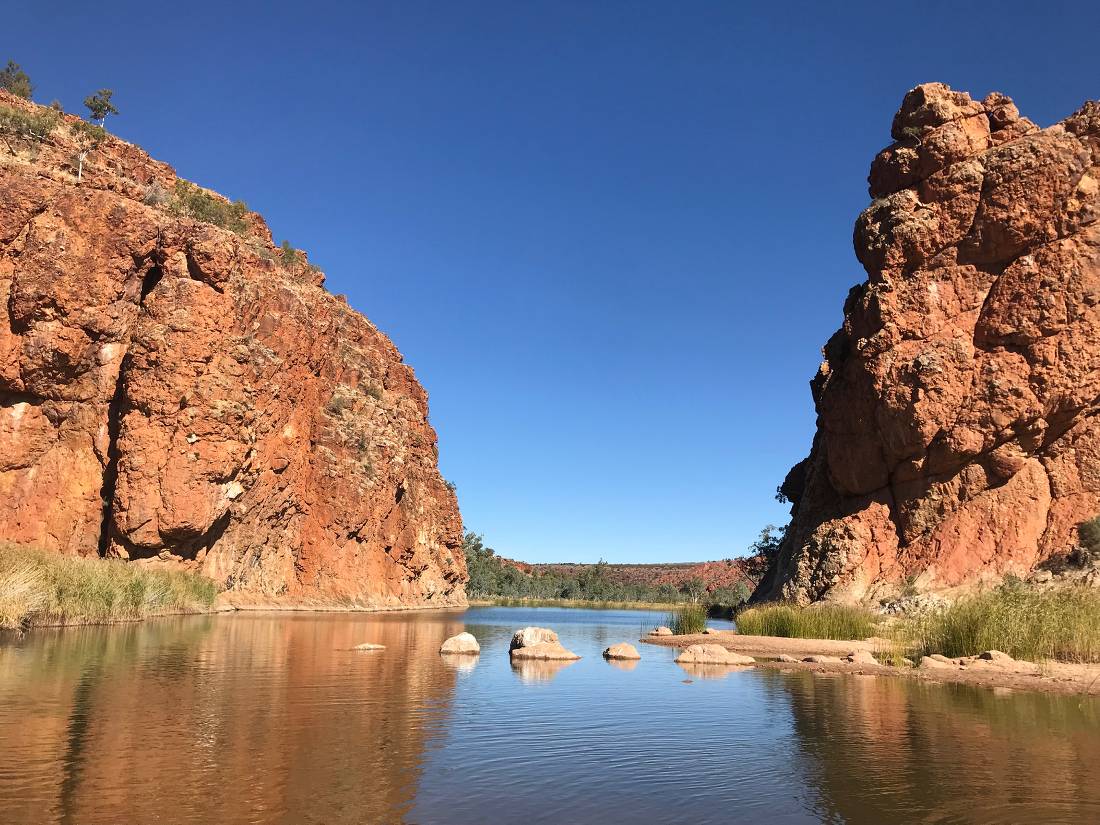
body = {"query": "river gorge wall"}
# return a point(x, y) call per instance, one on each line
point(178, 392)
point(957, 439)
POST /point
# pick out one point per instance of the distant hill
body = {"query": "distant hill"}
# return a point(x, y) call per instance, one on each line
point(715, 574)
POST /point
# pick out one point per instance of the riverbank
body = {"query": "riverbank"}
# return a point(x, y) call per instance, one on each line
point(581, 603)
point(1045, 677)
point(40, 589)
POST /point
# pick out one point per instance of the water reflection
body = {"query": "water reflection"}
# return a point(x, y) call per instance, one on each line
point(234, 719)
point(539, 670)
point(460, 662)
point(885, 749)
point(276, 719)
point(709, 671)
point(623, 664)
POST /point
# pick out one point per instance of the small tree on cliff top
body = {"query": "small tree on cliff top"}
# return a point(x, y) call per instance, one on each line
point(100, 105)
point(15, 80)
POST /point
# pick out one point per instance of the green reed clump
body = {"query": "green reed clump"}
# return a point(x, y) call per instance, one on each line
point(1025, 623)
point(39, 588)
point(688, 618)
point(819, 621)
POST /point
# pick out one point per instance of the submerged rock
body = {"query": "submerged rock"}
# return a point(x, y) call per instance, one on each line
point(369, 646)
point(623, 650)
point(462, 643)
point(712, 655)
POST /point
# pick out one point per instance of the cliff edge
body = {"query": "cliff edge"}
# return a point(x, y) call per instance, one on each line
point(957, 438)
point(174, 391)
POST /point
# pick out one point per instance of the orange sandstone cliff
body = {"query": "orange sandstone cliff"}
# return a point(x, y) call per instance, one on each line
point(957, 438)
point(176, 391)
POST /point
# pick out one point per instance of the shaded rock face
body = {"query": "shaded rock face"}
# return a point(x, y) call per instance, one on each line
point(171, 390)
point(957, 438)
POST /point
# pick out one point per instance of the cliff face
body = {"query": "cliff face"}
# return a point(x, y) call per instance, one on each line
point(172, 390)
point(957, 435)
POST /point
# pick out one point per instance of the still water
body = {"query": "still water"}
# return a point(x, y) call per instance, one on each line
point(270, 718)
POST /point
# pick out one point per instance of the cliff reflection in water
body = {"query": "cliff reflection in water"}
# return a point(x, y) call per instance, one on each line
point(899, 750)
point(231, 719)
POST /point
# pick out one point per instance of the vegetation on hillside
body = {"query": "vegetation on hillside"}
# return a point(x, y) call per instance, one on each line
point(492, 577)
point(1024, 622)
point(40, 588)
point(19, 125)
point(191, 201)
point(13, 79)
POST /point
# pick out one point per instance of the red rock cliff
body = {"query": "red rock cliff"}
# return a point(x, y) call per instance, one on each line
point(957, 435)
point(170, 389)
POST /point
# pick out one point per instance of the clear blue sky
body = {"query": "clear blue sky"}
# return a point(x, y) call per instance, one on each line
point(611, 237)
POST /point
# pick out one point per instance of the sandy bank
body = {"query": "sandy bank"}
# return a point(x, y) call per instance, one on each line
point(1047, 677)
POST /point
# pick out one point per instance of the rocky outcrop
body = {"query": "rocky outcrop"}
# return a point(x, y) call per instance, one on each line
point(463, 643)
point(538, 643)
point(623, 650)
point(712, 655)
point(957, 437)
point(177, 391)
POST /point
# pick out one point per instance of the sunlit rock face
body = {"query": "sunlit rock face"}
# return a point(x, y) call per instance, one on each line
point(176, 391)
point(956, 439)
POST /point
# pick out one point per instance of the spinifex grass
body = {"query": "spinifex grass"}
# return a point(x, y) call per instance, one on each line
point(1062, 624)
point(39, 588)
point(689, 618)
point(821, 621)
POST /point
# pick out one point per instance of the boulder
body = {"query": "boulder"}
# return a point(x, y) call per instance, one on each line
point(934, 663)
point(623, 650)
point(545, 651)
point(661, 631)
point(462, 643)
point(712, 655)
point(996, 656)
point(819, 659)
point(529, 636)
point(787, 658)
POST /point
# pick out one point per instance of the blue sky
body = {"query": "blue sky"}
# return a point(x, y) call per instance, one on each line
point(610, 237)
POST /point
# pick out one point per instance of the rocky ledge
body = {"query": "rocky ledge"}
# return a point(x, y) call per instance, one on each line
point(178, 392)
point(957, 438)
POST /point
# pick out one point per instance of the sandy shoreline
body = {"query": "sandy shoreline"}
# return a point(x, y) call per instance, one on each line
point(1048, 677)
